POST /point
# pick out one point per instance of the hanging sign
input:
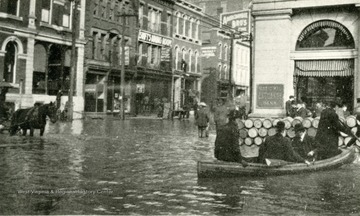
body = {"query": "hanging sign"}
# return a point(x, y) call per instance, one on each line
point(238, 20)
point(156, 39)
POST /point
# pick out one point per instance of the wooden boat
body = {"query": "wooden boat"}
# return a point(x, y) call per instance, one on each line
point(216, 168)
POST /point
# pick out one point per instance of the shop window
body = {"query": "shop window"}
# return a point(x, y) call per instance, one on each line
point(10, 62)
point(39, 74)
point(325, 34)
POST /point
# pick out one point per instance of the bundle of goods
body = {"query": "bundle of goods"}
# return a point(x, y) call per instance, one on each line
point(254, 131)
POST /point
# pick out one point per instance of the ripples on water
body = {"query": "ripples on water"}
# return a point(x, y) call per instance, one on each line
point(148, 167)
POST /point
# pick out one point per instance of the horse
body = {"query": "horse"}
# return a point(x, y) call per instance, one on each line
point(33, 118)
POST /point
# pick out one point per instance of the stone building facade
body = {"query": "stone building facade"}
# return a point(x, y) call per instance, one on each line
point(308, 49)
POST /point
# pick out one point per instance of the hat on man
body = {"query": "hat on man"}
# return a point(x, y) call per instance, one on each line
point(280, 125)
point(299, 128)
point(202, 104)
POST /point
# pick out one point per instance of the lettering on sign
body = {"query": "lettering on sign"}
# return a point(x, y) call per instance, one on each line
point(208, 52)
point(239, 20)
point(147, 37)
point(270, 96)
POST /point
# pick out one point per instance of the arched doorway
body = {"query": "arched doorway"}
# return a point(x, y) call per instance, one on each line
point(10, 62)
point(325, 80)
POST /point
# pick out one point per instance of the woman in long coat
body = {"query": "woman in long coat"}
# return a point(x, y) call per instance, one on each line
point(327, 135)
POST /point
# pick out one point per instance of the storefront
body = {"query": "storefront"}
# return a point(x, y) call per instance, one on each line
point(305, 51)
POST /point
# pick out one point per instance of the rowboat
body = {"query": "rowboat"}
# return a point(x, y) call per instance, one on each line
point(216, 168)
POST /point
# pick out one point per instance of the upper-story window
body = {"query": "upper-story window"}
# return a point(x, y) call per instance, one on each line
point(225, 52)
point(11, 7)
point(190, 29)
point(325, 34)
point(196, 61)
point(50, 13)
point(141, 15)
point(184, 25)
point(190, 60)
point(197, 30)
point(220, 51)
point(220, 71)
point(177, 60)
point(154, 20)
point(168, 24)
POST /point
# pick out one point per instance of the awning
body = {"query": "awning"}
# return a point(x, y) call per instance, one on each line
point(325, 68)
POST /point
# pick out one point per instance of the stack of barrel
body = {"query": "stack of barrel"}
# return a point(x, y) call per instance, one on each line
point(255, 130)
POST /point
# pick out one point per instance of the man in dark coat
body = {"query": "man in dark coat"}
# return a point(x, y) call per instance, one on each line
point(279, 147)
point(302, 143)
point(227, 141)
point(288, 105)
point(327, 135)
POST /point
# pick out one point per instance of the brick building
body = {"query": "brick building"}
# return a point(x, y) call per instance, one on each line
point(186, 54)
point(35, 51)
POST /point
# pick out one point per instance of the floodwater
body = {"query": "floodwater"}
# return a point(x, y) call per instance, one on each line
point(148, 167)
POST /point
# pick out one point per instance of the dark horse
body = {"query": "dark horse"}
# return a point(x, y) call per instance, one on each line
point(33, 118)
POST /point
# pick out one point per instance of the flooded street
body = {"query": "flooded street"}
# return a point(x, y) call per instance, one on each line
point(148, 167)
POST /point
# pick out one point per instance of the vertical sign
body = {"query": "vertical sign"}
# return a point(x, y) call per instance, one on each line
point(238, 20)
point(270, 96)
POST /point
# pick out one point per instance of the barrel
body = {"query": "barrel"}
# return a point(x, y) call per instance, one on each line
point(272, 131)
point(290, 119)
point(258, 123)
point(253, 132)
point(290, 132)
point(243, 133)
point(350, 121)
point(241, 141)
point(258, 140)
point(312, 131)
point(240, 123)
point(343, 134)
point(315, 122)
point(341, 141)
point(297, 120)
point(263, 132)
point(354, 130)
point(248, 141)
point(249, 123)
point(287, 123)
point(347, 139)
point(267, 123)
point(274, 123)
point(307, 122)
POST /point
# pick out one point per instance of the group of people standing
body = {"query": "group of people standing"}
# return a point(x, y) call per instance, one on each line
point(302, 149)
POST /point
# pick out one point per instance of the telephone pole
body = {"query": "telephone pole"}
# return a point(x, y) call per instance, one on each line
point(73, 59)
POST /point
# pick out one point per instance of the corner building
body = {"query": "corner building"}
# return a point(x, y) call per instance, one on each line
point(305, 48)
point(35, 40)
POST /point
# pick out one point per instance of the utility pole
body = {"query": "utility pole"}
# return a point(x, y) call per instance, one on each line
point(122, 82)
point(73, 59)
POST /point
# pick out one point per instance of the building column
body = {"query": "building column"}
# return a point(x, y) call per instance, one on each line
point(28, 82)
point(357, 65)
point(32, 16)
point(79, 96)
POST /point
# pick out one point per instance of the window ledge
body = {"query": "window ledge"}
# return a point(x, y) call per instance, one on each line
point(57, 28)
point(10, 16)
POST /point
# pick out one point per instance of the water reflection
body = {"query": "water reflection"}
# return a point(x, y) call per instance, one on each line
point(148, 167)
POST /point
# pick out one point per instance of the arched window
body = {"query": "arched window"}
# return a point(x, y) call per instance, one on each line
point(190, 60)
point(10, 62)
point(325, 34)
point(220, 51)
point(177, 60)
point(225, 52)
point(220, 71)
point(225, 72)
point(196, 61)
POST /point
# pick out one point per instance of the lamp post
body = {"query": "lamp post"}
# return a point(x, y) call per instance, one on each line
point(73, 59)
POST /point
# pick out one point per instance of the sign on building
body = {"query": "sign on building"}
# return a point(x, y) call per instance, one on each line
point(238, 20)
point(270, 96)
point(155, 39)
point(208, 52)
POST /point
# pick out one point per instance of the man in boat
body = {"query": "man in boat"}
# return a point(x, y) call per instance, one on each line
point(302, 142)
point(227, 146)
point(279, 147)
point(327, 135)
